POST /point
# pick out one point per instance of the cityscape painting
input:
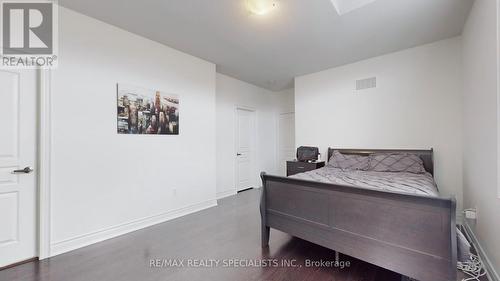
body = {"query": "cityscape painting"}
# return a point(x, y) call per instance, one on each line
point(147, 112)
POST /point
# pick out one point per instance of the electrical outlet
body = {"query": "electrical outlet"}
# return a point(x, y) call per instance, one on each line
point(471, 214)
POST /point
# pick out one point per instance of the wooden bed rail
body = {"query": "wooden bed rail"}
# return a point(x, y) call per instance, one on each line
point(408, 234)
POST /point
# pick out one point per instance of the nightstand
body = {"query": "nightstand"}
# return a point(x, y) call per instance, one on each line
point(295, 167)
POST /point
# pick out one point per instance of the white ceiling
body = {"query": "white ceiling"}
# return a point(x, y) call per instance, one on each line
point(346, 6)
point(297, 38)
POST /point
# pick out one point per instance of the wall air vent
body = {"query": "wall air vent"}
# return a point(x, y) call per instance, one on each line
point(367, 83)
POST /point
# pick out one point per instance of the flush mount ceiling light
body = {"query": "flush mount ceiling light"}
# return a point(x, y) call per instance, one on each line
point(260, 7)
point(345, 6)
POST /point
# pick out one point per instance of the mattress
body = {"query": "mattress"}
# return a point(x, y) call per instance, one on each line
point(402, 182)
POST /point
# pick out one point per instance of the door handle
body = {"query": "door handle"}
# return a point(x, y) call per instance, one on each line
point(238, 154)
point(26, 170)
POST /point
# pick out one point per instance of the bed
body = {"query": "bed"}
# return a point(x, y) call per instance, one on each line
point(410, 231)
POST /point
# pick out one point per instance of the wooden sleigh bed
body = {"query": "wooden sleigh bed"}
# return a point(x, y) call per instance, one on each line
point(409, 234)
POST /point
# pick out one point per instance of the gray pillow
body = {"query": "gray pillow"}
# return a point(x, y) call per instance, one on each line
point(396, 162)
point(348, 161)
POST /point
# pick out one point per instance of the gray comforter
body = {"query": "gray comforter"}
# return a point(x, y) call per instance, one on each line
point(420, 184)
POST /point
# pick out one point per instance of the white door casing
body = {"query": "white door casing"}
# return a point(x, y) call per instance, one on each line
point(245, 149)
point(286, 140)
point(18, 135)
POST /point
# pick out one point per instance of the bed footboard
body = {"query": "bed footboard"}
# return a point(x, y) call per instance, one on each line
point(408, 234)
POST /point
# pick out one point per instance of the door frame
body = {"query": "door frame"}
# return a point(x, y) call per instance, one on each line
point(498, 95)
point(278, 139)
point(44, 144)
point(235, 144)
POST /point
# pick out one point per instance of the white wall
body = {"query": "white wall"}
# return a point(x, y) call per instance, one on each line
point(230, 94)
point(286, 101)
point(480, 124)
point(103, 183)
point(417, 104)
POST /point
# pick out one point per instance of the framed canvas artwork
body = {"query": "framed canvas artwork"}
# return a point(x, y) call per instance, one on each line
point(147, 112)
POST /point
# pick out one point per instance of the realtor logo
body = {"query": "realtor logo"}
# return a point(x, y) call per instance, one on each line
point(28, 34)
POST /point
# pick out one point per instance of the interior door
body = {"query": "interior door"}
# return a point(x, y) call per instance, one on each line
point(245, 147)
point(286, 140)
point(17, 157)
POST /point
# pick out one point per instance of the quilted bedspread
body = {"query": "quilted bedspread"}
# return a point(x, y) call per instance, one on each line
point(403, 182)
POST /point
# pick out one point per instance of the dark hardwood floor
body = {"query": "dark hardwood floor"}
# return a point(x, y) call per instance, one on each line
point(229, 232)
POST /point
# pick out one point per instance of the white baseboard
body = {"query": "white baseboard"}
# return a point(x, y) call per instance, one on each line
point(232, 192)
point(490, 269)
point(74, 243)
point(227, 193)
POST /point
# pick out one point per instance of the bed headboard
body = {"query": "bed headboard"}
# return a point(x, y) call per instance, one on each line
point(426, 155)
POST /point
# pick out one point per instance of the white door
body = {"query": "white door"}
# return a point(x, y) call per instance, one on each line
point(18, 97)
point(286, 140)
point(245, 149)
